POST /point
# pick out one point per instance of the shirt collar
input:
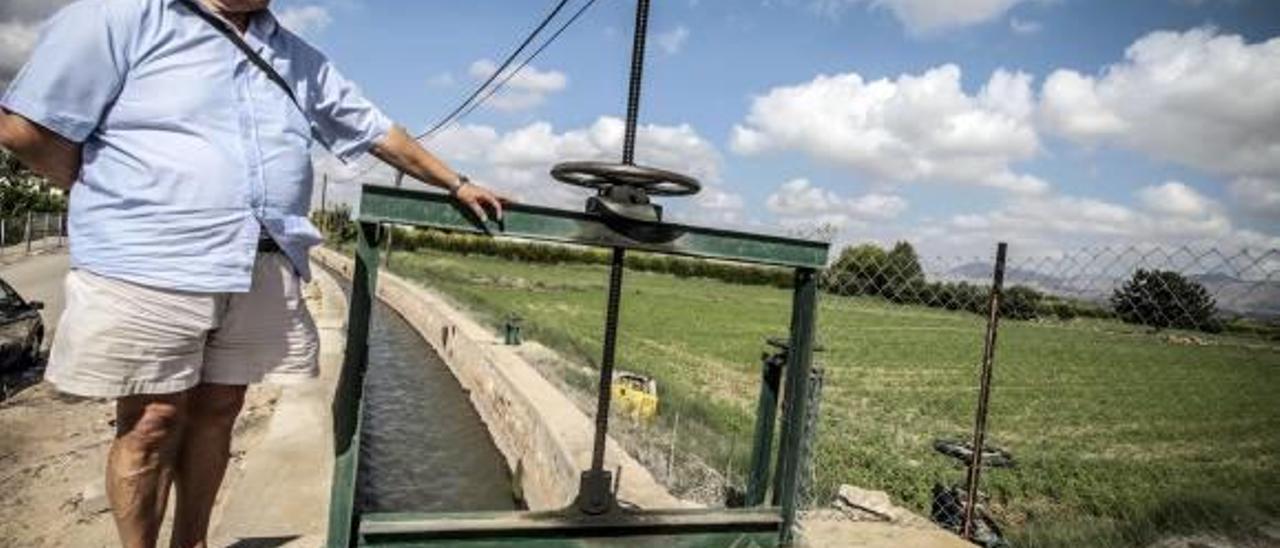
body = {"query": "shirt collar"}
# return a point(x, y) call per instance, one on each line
point(264, 24)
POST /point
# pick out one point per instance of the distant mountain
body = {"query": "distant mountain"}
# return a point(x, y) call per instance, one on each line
point(1260, 299)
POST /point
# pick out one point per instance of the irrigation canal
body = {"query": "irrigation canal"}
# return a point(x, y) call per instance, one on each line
point(424, 448)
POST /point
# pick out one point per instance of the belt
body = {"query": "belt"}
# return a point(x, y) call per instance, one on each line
point(268, 245)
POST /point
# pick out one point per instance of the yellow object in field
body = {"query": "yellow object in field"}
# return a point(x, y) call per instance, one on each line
point(635, 395)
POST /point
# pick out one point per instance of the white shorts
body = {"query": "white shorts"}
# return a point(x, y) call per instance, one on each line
point(118, 338)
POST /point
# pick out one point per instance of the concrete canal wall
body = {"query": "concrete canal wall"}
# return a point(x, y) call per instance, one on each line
point(544, 438)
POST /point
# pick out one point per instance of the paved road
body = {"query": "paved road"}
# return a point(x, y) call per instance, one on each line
point(39, 278)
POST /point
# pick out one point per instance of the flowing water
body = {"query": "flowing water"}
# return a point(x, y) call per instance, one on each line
point(424, 448)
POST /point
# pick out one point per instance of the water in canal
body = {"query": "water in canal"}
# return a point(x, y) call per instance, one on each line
point(424, 448)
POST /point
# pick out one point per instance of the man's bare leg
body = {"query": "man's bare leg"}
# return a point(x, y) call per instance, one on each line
point(141, 462)
point(202, 460)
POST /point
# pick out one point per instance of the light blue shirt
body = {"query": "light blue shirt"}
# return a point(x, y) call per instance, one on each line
point(189, 149)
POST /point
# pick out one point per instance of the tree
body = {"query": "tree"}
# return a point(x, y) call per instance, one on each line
point(860, 270)
point(22, 191)
point(1163, 298)
point(905, 277)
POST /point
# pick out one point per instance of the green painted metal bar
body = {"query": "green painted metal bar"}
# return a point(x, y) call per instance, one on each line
point(804, 308)
point(393, 205)
point(508, 527)
point(348, 400)
point(766, 417)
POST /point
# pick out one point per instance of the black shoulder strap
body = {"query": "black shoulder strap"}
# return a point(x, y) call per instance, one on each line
point(235, 38)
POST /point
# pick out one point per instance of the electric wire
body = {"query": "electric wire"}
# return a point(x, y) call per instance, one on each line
point(503, 67)
point(471, 104)
point(526, 61)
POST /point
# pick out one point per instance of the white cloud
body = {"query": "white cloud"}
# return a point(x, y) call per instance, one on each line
point(914, 128)
point(525, 90)
point(926, 16)
point(1195, 98)
point(1174, 199)
point(799, 201)
point(1257, 196)
point(1170, 214)
point(519, 161)
point(1024, 27)
point(673, 40)
point(305, 19)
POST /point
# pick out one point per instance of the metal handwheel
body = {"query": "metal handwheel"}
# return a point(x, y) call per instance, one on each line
point(602, 175)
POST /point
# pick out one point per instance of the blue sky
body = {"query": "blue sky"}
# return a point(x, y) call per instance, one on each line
point(1047, 123)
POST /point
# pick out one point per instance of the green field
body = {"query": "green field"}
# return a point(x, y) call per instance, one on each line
point(1121, 435)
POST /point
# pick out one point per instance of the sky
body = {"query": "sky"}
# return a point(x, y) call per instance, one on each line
point(1050, 124)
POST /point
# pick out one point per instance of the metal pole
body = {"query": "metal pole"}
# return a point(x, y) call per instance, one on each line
point(595, 495)
point(324, 193)
point(595, 489)
point(799, 362)
point(28, 233)
point(984, 391)
point(348, 399)
point(766, 417)
point(4, 241)
point(45, 234)
point(62, 223)
point(637, 75)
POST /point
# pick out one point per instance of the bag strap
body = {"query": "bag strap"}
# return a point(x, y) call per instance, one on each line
point(235, 38)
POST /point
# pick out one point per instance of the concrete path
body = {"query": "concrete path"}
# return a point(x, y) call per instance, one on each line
point(39, 278)
point(279, 495)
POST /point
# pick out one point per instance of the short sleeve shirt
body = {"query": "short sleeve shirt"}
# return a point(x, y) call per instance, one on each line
point(189, 149)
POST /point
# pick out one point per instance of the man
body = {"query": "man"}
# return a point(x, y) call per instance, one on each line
point(190, 175)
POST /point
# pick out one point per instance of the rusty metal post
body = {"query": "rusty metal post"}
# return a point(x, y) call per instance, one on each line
point(984, 391)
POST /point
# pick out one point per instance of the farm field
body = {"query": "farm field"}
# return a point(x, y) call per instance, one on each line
point(1122, 436)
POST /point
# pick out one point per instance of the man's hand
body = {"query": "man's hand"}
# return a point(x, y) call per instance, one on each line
point(477, 197)
point(41, 150)
point(405, 154)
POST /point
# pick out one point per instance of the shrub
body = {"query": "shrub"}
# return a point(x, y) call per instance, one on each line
point(1162, 299)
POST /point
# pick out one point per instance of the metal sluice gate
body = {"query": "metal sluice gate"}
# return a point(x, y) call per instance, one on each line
point(620, 217)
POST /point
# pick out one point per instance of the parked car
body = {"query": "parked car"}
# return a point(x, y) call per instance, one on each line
point(21, 330)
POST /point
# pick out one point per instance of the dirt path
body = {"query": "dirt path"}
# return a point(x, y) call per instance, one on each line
point(53, 447)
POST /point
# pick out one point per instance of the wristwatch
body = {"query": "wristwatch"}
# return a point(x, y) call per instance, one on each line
point(462, 181)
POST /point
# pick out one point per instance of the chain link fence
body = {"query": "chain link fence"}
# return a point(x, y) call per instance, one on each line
point(33, 232)
point(1131, 392)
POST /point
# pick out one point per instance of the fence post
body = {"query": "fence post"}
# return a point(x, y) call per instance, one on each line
point(984, 391)
point(4, 240)
point(27, 233)
point(766, 416)
point(794, 401)
point(810, 440)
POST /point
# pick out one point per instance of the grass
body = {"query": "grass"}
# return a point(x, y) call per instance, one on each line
point(1121, 435)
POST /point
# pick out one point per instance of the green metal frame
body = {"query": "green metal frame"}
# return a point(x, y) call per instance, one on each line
point(759, 526)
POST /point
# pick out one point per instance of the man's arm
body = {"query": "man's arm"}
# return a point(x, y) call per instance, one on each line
point(42, 151)
point(405, 154)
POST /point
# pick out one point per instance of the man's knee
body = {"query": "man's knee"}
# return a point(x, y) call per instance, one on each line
point(151, 423)
point(215, 404)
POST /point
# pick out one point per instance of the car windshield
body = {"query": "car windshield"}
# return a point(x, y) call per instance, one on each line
point(8, 297)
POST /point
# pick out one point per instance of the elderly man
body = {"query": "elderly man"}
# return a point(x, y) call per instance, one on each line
point(188, 160)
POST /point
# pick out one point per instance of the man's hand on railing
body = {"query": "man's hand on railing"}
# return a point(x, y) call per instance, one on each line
point(478, 198)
